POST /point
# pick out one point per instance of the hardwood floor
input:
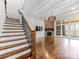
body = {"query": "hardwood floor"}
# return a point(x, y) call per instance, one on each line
point(57, 48)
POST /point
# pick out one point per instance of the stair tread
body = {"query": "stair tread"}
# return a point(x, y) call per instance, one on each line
point(11, 26)
point(11, 36)
point(11, 44)
point(14, 24)
point(12, 51)
point(11, 29)
point(17, 56)
point(9, 40)
point(14, 28)
point(11, 20)
point(25, 56)
point(13, 32)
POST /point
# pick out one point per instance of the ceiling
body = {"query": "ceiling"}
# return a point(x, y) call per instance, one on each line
point(12, 8)
point(45, 8)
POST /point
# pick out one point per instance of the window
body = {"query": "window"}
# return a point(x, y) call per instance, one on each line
point(39, 28)
point(58, 30)
point(72, 29)
point(63, 29)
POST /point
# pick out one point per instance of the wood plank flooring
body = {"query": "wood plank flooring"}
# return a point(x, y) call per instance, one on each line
point(58, 49)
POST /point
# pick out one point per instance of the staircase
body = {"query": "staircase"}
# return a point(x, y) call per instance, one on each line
point(13, 42)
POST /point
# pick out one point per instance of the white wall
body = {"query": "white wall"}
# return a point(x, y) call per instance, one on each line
point(32, 20)
point(2, 14)
point(35, 22)
point(12, 8)
point(40, 33)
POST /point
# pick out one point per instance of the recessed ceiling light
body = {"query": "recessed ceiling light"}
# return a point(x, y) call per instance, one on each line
point(65, 0)
point(73, 8)
point(35, 14)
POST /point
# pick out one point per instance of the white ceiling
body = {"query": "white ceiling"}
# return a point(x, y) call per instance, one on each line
point(45, 8)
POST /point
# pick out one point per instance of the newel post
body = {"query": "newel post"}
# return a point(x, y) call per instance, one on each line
point(33, 47)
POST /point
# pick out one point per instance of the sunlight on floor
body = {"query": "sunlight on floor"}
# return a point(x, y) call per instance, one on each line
point(74, 43)
point(48, 56)
point(66, 41)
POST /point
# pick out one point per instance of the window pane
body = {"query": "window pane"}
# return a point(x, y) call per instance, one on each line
point(77, 29)
point(66, 30)
point(72, 29)
point(58, 27)
point(63, 29)
point(58, 30)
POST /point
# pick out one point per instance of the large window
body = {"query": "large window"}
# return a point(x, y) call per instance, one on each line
point(72, 29)
point(63, 29)
point(58, 27)
point(77, 29)
point(58, 30)
point(68, 28)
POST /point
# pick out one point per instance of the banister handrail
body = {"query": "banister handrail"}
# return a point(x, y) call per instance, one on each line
point(27, 24)
point(31, 37)
point(26, 28)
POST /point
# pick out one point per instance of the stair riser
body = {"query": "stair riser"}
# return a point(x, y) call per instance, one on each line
point(12, 51)
point(12, 23)
point(11, 30)
point(14, 34)
point(10, 40)
point(11, 26)
point(11, 20)
point(17, 55)
point(11, 43)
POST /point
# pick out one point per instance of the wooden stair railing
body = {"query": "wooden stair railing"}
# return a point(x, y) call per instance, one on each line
point(31, 36)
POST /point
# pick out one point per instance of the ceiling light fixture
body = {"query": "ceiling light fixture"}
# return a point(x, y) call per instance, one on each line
point(65, 0)
point(73, 8)
point(35, 14)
